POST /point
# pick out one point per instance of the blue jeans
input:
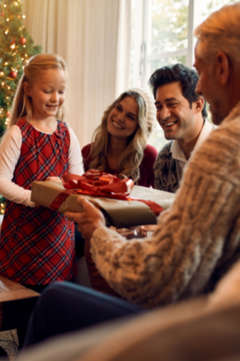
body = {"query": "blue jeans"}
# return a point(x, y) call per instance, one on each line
point(65, 307)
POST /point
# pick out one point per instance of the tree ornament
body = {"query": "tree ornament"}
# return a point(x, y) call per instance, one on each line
point(23, 40)
point(13, 74)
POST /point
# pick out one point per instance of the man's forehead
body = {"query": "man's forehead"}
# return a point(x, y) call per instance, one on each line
point(198, 51)
point(169, 90)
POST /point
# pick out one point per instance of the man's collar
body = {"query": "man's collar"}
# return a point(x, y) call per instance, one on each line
point(176, 150)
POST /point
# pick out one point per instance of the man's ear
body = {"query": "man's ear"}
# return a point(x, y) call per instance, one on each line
point(222, 67)
point(199, 104)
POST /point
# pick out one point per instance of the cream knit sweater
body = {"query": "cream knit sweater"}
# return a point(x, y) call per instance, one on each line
point(197, 239)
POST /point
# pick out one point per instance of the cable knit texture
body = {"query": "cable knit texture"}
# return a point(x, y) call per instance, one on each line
point(198, 238)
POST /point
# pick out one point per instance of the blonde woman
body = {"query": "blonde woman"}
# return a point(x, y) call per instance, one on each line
point(119, 144)
point(120, 147)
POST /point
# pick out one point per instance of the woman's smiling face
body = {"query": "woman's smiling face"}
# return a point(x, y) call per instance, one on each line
point(122, 120)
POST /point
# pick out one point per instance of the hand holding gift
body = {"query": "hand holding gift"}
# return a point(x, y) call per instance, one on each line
point(123, 204)
point(89, 219)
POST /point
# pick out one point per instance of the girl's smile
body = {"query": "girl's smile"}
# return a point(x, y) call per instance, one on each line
point(47, 93)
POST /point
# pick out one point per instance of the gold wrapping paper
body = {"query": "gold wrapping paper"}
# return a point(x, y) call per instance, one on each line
point(119, 213)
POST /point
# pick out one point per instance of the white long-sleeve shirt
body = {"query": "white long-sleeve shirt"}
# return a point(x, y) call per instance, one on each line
point(10, 149)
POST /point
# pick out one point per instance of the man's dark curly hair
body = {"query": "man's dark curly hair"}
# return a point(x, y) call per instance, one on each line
point(187, 78)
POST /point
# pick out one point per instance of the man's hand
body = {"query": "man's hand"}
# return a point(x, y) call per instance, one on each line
point(89, 219)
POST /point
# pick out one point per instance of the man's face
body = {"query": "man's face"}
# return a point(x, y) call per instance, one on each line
point(174, 113)
point(207, 83)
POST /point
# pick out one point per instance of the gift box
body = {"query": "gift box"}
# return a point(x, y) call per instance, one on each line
point(122, 207)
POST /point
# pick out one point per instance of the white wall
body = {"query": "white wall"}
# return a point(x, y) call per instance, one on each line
point(86, 34)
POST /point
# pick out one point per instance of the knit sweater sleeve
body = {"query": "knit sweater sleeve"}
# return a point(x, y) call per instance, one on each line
point(181, 256)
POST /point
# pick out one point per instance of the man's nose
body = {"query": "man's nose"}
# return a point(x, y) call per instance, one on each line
point(163, 113)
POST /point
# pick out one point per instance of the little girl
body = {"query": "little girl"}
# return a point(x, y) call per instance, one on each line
point(36, 243)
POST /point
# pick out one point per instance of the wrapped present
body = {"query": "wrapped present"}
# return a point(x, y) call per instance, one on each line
point(122, 203)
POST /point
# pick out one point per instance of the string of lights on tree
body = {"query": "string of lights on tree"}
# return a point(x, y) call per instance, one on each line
point(16, 47)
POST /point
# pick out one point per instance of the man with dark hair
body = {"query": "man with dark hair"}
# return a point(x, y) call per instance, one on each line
point(181, 113)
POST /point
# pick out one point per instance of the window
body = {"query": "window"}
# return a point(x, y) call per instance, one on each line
point(162, 33)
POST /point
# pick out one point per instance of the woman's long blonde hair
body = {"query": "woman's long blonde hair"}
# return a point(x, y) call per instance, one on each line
point(22, 105)
point(132, 156)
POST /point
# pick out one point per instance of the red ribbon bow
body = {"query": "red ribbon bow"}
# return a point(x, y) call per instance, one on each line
point(99, 184)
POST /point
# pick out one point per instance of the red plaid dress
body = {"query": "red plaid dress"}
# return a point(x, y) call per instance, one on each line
point(37, 244)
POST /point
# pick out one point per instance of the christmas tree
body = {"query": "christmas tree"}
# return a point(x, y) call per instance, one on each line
point(16, 47)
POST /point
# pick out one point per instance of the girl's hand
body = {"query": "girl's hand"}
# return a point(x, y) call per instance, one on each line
point(89, 219)
point(55, 179)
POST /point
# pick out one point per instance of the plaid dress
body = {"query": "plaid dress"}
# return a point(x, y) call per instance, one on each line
point(37, 244)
